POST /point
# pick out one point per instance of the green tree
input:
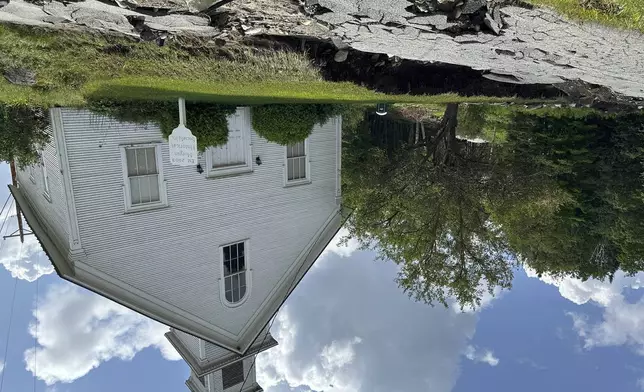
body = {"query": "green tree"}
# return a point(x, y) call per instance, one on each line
point(423, 207)
point(597, 163)
point(290, 123)
point(207, 121)
point(23, 132)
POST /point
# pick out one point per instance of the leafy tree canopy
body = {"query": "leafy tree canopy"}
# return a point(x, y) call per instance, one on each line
point(290, 123)
point(23, 132)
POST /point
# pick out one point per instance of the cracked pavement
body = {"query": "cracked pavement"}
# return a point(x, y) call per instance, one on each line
point(537, 47)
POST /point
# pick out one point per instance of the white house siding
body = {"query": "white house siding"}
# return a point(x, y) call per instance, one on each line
point(173, 253)
point(54, 214)
point(213, 351)
point(191, 342)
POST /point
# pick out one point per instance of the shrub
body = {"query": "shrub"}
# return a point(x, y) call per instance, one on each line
point(206, 121)
point(23, 132)
point(290, 123)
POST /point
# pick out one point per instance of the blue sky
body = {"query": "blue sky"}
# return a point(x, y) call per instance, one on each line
point(347, 327)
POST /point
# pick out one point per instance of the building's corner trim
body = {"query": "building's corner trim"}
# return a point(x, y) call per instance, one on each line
point(58, 131)
point(338, 159)
point(291, 278)
point(176, 342)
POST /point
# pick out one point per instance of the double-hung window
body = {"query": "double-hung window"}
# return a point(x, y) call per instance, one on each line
point(45, 177)
point(297, 167)
point(144, 186)
point(234, 267)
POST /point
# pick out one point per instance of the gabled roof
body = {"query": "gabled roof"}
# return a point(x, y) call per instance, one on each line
point(142, 303)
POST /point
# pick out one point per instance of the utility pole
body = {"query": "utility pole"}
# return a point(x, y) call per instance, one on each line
point(15, 184)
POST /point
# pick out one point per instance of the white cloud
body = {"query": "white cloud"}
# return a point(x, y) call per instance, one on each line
point(339, 247)
point(484, 356)
point(25, 261)
point(329, 370)
point(1, 366)
point(640, 383)
point(349, 327)
point(621, 322)
point(78, 330)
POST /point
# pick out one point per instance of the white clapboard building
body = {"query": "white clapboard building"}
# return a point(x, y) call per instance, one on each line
point(212, 251)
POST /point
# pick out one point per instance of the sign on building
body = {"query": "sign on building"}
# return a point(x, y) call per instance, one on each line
point(183, 147)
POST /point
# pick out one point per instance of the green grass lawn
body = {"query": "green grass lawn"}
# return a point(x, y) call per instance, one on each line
point(631, 17)
point(72, 68)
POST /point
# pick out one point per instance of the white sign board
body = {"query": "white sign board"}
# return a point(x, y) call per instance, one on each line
point(183, 147)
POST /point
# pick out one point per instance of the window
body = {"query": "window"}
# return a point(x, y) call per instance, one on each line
point(234, 259)
point(32, 175)
point(232, 374)
point(235, 156)
point(143, 179)
point(45, 178)
point(297, 168)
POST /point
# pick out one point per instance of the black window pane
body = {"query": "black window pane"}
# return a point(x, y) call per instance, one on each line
point(242, 291)
point(240, 249)
point(226, 253)
point(233, 251)
point(242, 264)
point(229, 296)
point(227, 270)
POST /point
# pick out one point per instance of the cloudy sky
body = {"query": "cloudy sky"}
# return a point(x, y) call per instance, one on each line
point(347, 327)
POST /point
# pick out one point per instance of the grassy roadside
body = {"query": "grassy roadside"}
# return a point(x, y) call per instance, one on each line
point(73, 67)
point(630, 17)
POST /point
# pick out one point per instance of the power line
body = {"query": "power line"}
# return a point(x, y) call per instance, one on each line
point(268, 329)
point(5, 204)
point(36, 334)
point(6, 346)
point(7, 215)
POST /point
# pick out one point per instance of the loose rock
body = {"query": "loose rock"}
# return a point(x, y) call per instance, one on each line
point(341, 56)
point(339, 44)
point(471, 6)
point(20, 76)
point(492, 24)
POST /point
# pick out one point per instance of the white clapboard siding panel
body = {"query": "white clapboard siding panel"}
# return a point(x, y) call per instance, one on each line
point(191, 342)
point(173, 253)
point(55, 215)
point(214, 352)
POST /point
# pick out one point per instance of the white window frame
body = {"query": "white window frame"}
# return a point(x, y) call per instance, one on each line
point(301, 181)
point(237, 169)
point(163, 196)
point(249, 274)
point(45, 177)
point(32, 175)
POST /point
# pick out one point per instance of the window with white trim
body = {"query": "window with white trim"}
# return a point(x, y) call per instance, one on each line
point(234, 261)
point(32, 174)
point(232, 374)
point(143, 178)
point(45, 178)
point(235, 156)
point(296, 162)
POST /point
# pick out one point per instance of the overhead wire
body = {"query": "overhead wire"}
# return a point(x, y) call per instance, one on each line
point(36, 331)
point(5, 204)
point(7, 215)
point(6, 346)
point(268, 329)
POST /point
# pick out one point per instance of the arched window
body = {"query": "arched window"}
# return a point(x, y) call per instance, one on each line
point(234, 260)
